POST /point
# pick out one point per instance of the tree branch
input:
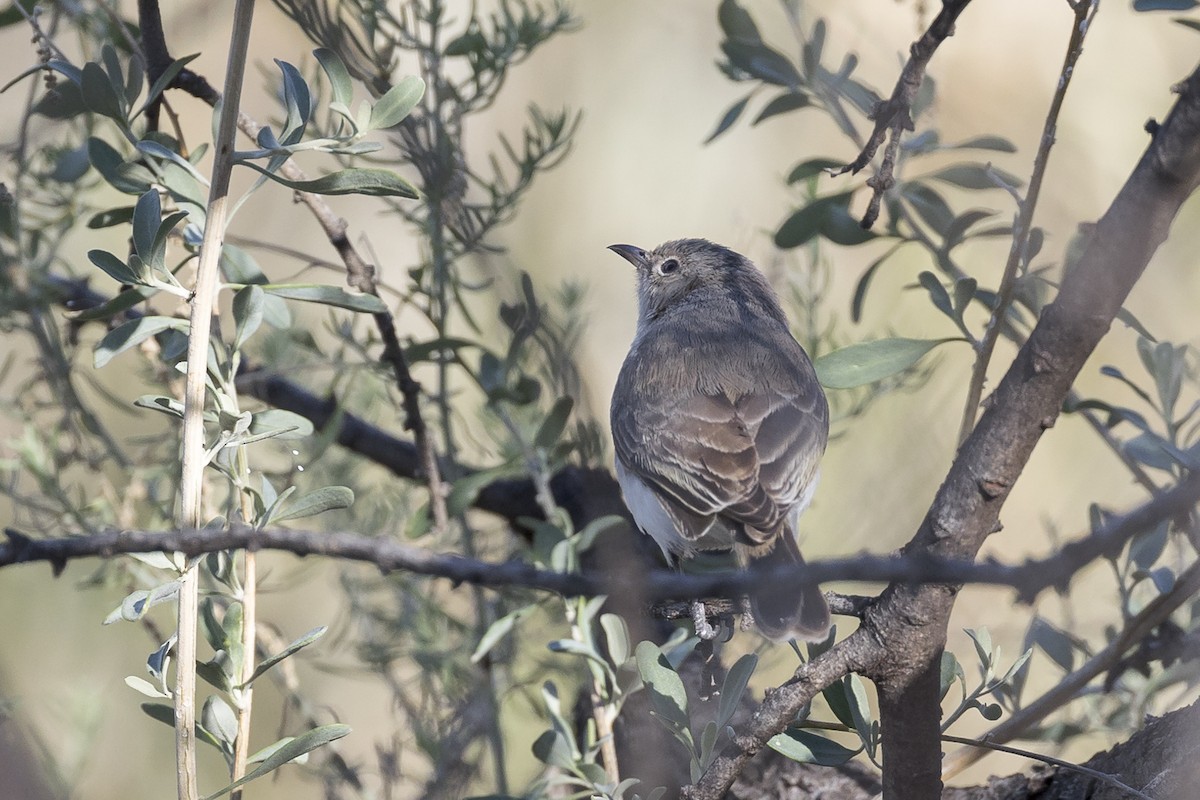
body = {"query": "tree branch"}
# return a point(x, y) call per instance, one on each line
point(893, 116)
point(915, 568)
point(906, 629)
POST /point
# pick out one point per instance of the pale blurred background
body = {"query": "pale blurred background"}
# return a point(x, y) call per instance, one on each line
point(643, 73)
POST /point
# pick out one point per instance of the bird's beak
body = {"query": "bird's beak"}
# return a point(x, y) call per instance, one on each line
point(634, 255)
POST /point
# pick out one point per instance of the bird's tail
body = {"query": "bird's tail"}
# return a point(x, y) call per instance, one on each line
point(784, 608)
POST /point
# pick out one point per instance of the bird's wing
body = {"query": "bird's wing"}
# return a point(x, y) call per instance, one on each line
point(747, 460)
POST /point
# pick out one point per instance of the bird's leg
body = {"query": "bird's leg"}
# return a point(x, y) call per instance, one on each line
point(747, 615)
point(703, 628)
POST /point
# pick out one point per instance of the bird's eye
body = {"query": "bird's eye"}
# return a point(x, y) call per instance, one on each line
point(668, 266)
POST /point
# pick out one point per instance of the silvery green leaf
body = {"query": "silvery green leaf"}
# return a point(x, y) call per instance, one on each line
point(373, 182)
point(133, 333)
point(219, 719)
point(497, 631)
point(616, 634)
point(144, 686)
point(340, 84)
point(114, 267)
point(327, 295)
point(247, 313)
point(324, 499)
point(810, 748)
point(668, 697)
point(867, 362)
point(288, 752)
point(396, 103)
point(284, 424)
point(98, 92)
point(299, 644)
point(734, 687)
point(552, 748)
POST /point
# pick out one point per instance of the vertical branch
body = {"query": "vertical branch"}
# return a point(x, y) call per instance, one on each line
point(1084, 10)
point(194, 457)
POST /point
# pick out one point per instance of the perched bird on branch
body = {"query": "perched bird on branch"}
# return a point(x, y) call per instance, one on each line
point(719, 422)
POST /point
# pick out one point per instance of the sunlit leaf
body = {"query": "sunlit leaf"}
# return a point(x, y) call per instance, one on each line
point(867, 362)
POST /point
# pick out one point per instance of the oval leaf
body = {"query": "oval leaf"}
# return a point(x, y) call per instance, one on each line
point(133, 333)
point(397, 102)
point(327, 295)
point(867, 362)
point(327, 498)
point(809, 748)
point(374, 182)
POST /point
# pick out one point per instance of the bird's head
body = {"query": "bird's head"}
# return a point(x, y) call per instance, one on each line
point(697, 273)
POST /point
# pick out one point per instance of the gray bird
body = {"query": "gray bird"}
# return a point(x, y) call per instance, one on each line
point(719, 422)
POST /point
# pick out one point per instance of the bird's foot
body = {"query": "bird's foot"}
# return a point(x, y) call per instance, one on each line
point(703, 628)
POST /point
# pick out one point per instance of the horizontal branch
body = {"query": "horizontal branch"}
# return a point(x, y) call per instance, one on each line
point(1029, 579)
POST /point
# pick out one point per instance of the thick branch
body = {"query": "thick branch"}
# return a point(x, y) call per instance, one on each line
point(907, 627)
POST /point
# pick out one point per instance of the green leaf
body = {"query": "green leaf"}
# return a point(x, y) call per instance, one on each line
point(983, 645)
point(292, 750)
point(552, 748)
point(147, 214)
point(298, 101)
point(616, 635)
point(734, 687)
point(998, 143)
point(110, 217)
point(98, 92)
point(937, 293)
point(114, 267)
point(810, 748)
point(1148, 547)
point(736, 22)
point(860, 289)
point(668, 698)
point(397, 102)
point(166, 405)
point(761, 61)
point(1053, 643)
point(554, 424)
point(299, 644)
point(247, 313)
point(339, 77)
point(284, 424)
point(730, 117)
point(327, 295)
point(497, 631)
point(867, 362)
point(324, 499)
point(974, 176)
point(781, 104)
point(374, 182)
point(218, 718)
point(950, 671)
point(133, 333)
point(1164, 5)
point(466, 489)
point(811, 167)
point(127, 178)
point(169, 74)
point(827, 216)
point(929, 205)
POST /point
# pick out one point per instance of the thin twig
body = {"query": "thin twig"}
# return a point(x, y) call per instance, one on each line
point(1018, 251)
point(893, 116)
point(191, 486)
point(1153, 615)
